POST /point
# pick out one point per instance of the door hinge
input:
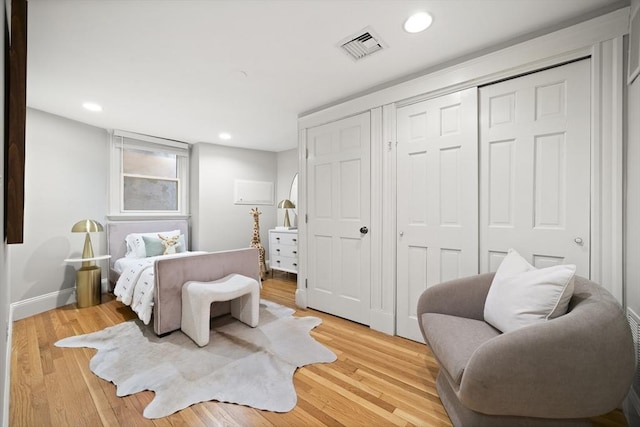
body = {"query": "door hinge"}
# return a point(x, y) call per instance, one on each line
point(306, 153)
point(306, 218)
point(306, 285)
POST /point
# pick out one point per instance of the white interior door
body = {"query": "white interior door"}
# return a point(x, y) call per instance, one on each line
point(535, 168)
point(338, 165)
point(437, 199)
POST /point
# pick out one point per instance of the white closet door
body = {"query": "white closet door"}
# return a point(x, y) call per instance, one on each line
point(535, 168)
point(339, 180)
point(437, 199)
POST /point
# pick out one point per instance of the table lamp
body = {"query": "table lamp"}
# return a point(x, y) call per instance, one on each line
point(286, 204)
point(88, 277)
point(87, 226)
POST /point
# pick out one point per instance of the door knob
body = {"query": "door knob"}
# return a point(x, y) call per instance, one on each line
point(364, 230)
point(578, 240)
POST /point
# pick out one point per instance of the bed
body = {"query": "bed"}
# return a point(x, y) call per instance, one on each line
point(170, 272)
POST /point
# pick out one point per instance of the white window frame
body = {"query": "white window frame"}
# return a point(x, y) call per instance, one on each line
point(128, 140)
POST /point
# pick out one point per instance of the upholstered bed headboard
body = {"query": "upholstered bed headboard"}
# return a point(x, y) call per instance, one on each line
point(118, 230)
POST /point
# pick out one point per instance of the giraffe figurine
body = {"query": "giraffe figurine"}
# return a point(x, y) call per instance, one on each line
point(255, 242)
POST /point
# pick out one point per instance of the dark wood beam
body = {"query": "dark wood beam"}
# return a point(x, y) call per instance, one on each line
point(15, 121)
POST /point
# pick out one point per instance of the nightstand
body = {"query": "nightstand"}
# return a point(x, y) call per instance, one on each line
point(88, 280)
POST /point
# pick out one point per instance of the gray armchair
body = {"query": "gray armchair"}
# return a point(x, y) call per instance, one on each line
point(560, 372)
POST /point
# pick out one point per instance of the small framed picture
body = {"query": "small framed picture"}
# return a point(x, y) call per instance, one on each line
point(253, 192)
point(634, 46)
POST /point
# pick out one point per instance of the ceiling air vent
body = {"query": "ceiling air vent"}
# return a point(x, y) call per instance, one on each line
point(362, 44)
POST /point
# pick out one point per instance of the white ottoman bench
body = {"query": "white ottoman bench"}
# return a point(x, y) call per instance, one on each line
point(242, 292)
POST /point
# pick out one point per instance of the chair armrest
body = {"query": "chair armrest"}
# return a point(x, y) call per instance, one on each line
point(578, 365)
point(463, 297)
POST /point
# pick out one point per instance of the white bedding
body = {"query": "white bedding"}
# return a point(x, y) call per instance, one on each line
point(136, 284)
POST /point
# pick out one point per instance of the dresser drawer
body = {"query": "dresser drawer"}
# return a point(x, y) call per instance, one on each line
point(283, 263)
point(289, 239)
point(284, 251)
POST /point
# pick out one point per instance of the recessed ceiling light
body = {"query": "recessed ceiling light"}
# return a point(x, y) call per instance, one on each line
point(92, 106)
point(224, 135)
point(418, 22)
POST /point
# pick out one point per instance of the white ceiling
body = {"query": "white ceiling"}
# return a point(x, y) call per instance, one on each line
point(190, 69)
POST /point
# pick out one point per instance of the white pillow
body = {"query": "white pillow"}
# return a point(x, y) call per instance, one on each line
point(522, 295)
point(135, 243)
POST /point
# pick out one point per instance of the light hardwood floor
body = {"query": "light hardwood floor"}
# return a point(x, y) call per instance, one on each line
point(378, 380)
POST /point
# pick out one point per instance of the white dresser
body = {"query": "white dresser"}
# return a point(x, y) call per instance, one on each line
point(283, 250)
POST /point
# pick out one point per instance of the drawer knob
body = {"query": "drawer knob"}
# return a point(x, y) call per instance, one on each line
point(277, 250)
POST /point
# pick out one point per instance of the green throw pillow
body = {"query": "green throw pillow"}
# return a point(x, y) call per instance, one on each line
point(153, 246)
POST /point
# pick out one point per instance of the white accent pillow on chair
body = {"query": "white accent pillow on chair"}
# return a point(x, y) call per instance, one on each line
point(522, 295)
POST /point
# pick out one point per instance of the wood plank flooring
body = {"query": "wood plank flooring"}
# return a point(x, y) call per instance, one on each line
point(378, 380)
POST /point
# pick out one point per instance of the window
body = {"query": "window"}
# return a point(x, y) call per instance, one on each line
point(148, 175)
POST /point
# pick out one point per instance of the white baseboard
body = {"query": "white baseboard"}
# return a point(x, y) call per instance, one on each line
point(32, 306)
point(42, 303)
point(383, 322)
point(7, 371)
point(301, 298)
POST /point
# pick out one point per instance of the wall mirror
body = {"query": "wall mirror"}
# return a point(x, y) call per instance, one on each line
point(293, 194)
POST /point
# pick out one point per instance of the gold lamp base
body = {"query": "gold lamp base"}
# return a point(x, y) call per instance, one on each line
point(287, 223)
point(88, 286)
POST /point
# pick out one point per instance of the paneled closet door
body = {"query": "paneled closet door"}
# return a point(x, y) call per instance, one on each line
point(535, 168)
point(437, 199)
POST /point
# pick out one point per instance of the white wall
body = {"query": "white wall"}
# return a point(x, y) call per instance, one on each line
point(601, 37)
point(219, 224)
point(632, 219)
point(4, 277)
point(67, 172)
point(632, 255)
point(287, 169)
point(194, 199)
point(66, 180)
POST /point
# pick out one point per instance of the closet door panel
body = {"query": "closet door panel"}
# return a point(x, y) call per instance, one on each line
point(535, 168)
point(501, 192)
point(437, 199)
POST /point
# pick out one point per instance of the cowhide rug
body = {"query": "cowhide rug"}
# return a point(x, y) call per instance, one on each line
point(243, 365)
